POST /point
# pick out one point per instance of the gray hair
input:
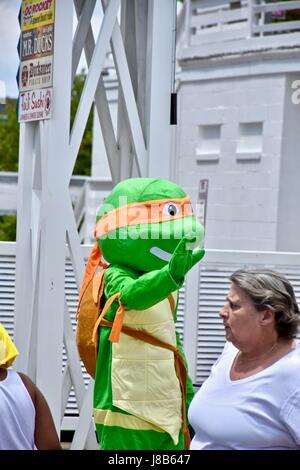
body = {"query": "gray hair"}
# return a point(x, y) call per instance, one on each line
point(270, 289)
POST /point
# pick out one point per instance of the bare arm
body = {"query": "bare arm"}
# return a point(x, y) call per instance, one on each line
point(45, 435)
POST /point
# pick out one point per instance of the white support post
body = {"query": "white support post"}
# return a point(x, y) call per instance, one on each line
point(250, 18)
point(161, 47)
point(141, 20)
point(53, 230)
point(84, 436)
point(92, 80)
point(133, 119)
point(24, 257)
point(39, 307)
point(82, 29)
point(101, 105)
point(47, 156)
point(123, 136)
point(187, 4)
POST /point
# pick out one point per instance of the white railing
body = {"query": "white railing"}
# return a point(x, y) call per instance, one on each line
point(198, 321)
point(200, 300)
point(212, 21)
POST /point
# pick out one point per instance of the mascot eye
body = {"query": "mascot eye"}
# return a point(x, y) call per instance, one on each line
point(171, 209)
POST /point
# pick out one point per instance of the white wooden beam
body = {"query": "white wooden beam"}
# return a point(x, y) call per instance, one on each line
point(24, 277)
point(85, 431)
point(161, 47)
point(141, 24)
point(74, 245)
point(102, 107)
point(135, 127)
point(45, 214)
point(124, 136)
point(66, 388)
point(50, 305)
point(83, 26)
point(91, 82)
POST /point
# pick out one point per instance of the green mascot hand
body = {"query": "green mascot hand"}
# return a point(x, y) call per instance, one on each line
point(183, 258)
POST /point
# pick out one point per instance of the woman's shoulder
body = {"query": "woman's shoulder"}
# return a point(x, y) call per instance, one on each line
point(294, 356)
point(289, 366)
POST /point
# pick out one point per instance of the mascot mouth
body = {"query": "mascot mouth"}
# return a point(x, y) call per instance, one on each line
point(162, 254)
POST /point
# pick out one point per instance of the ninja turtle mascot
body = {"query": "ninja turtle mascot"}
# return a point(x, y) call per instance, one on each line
point(147, 232)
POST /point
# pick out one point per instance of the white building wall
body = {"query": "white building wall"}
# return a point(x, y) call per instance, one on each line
point(237, 125)
point(236, 132)
point(288, 217)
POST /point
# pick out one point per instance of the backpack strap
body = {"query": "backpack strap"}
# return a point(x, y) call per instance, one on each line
point(116, 325)
point(93, 263)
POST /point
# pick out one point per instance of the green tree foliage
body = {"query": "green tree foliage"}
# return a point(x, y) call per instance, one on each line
point(8, 228)
point(83, 162)
point(9, 137)
point(9, 133)
point(9, 147)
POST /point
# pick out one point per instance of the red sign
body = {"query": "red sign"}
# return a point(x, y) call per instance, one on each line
point(35, 105)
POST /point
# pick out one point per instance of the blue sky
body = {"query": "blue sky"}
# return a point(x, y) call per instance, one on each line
point(9, 36)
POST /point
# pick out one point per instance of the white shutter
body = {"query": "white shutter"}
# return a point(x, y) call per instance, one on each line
point(7, 287)
point(213, 288)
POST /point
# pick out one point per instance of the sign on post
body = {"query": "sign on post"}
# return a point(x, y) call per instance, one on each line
point(202, 200)
point(36, 60)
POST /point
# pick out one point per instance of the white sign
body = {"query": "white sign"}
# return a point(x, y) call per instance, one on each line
point(37, 42)
point(35, 104)
point(36, 73)
point(202, 200)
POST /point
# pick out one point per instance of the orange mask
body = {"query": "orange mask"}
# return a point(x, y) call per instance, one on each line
point(148, 212)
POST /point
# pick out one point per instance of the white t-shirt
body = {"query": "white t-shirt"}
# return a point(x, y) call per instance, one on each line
point(260, 412)
point(17, 414)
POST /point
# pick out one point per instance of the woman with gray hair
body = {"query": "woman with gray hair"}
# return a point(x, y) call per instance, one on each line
point(251, 399)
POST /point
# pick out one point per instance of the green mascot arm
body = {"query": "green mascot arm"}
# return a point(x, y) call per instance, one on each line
point(139, 293)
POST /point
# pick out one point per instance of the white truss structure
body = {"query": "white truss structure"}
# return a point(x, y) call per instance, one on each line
point(143, 49)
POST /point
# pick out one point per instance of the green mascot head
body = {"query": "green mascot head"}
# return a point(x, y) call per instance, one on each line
point(141, 222)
